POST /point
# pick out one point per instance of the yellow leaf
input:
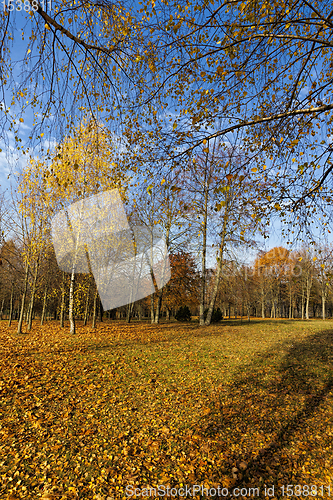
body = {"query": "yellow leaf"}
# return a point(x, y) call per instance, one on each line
point(254, 169)
point(314, 259)
point(300, 259)
point(21, 120)
point(281, 140)
point(162, 181)
point(42, 134)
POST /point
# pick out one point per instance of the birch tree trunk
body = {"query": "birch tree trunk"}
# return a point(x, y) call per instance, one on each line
point(262, 302)
point(20, 321)
point(129, 311)
point(302, 301)
point(158, 306)
point(308, 291)
point(290, 303)
point(140, 311)
point(101, 310)
point(219, 267)
point(324, 292)
point(2, 304)
point(62, 307)
point(32, 298)
point(152, 313)
point(86, 307)
point(71, 303)
point(323, 307)
point(203, 259)
point(44, 307)
point(11, 306)
point(94, 310)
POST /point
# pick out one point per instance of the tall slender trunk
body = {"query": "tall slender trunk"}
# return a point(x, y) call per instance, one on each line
point(203, 257)
point(152, 314)
point(308, 291)
point(86, 307)
point(32, 298)
point(71, 315)
point(44, 307)
point(11, 306)
point(94, 310)
point(323, 307)
point(302, 301)
point(71, 303)
point(139, 306)
point(155, 315)
point(158, 306)
point(101, 310)
point(324, 292)
point(262, 302)
point(2, 304)
point(129, 311)
point(20, 321)
point(62, 306)
point(219, 266)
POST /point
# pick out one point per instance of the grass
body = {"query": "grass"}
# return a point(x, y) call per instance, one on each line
point(85, 416)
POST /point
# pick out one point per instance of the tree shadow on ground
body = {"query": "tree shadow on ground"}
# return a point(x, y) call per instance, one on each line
point(276, 416)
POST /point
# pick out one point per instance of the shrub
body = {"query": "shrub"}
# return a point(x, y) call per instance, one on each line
point(183, 314)
point(216, 315)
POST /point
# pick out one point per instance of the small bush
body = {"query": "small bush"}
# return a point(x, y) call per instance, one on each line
point(183, 314)
point(216, 315)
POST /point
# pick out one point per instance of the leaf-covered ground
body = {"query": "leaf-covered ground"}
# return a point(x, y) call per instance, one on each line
point(137, 406)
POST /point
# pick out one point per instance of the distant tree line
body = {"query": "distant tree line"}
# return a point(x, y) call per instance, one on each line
point(279, 284)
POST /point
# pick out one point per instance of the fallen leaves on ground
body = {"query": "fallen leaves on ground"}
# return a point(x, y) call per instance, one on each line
point(228, 406)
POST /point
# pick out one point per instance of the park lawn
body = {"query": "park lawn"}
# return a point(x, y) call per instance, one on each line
point(143, 405)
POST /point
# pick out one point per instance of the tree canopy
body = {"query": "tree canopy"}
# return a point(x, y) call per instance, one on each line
point(183, 73)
